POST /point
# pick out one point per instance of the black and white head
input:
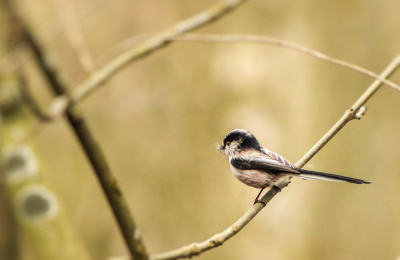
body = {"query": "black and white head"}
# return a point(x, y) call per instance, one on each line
point(238, 140)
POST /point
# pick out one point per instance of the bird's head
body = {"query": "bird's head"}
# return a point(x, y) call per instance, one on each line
point(238, 140)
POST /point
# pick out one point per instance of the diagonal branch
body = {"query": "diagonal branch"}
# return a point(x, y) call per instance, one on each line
point(352, 113)
point(69, 19)
point(218, 239)
point(94, 153)
point(159, 41)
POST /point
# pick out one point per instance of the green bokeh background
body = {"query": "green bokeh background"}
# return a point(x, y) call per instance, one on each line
point(159, 119)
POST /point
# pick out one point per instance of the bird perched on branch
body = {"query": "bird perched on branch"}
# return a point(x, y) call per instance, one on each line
point(257, 167)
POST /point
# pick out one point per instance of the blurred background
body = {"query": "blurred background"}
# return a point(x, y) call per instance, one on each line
point(158, 121)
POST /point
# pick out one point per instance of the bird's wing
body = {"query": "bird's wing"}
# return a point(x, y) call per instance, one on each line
point(263, 162)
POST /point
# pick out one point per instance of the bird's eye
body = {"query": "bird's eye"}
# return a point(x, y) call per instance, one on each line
point(228, 143)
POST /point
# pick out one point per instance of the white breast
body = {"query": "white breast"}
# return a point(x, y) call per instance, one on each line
point(254, 178)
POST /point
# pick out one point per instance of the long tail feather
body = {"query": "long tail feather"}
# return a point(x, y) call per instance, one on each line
point(306, 174)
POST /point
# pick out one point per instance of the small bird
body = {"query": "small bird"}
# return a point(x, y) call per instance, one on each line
point(257, 167)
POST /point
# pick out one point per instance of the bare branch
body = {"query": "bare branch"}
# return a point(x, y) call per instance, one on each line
point(284, 44)
point(160, 39)
point(218, 239)
point(350, 113)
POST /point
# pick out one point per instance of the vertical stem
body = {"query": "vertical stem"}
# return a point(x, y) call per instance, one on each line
point(96, 157)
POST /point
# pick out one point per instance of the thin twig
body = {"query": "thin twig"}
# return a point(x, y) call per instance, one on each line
point(284, 44)
point(49, 30)
point(350, 113)
point(161, 39)
point(30, 100)
point(218, 239)
point(69, 20)
point(256, 39)
point(100, 77)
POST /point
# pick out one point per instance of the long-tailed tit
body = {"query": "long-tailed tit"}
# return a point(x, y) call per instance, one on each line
point(257, 167)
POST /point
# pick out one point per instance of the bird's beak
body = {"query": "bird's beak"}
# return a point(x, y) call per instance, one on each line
point(220, 148)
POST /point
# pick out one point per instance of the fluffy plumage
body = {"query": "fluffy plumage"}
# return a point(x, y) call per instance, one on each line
point(259, 168)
